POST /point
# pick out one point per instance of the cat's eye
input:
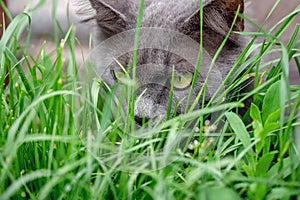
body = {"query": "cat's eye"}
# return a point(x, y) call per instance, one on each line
point(118, 74)
point(183, 80)
point(122, 76)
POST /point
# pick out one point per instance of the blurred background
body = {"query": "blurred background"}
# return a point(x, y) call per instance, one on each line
point(42, 25)
point(259, 10)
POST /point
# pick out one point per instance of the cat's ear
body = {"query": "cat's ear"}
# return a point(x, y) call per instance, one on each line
point(218, 15)
point(112, 16)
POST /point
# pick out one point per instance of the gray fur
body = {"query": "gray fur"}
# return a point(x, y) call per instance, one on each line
point(114, 16)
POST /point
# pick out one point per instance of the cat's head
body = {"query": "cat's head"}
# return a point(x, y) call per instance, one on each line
point(169, 40)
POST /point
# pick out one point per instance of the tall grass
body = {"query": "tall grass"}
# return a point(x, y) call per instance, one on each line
point(58, 138)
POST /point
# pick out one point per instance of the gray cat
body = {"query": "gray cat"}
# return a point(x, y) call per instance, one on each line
point(174, 27)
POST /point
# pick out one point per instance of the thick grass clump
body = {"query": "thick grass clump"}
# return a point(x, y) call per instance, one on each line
point(61, 138)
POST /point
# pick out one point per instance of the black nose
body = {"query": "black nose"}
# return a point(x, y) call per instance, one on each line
point(141, 120)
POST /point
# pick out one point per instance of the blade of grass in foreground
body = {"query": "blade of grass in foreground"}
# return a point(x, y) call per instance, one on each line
point(131, 101)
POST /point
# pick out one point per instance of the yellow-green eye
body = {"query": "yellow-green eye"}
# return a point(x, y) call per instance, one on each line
point(183, 81)
point(118, 74)
point(123, 77)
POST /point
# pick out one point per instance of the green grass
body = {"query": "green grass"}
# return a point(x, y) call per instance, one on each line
point(59, 141)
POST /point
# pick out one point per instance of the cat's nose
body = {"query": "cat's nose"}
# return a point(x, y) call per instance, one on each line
point(146, 110)
point(152, 104)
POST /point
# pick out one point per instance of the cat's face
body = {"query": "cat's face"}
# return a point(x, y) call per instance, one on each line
point(168, 49)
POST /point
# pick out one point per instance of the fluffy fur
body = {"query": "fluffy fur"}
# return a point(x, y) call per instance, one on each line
point(113, 17)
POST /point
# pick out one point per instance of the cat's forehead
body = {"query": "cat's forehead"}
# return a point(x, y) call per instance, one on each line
point(164, 13)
